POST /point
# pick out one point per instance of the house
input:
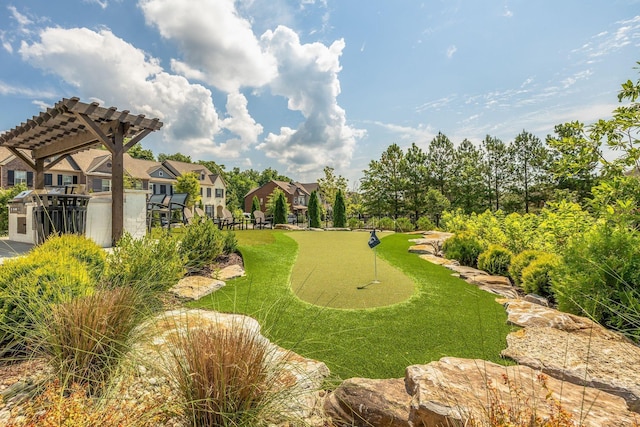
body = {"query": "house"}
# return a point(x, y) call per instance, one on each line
point(212, 185)
point(296, 193)
point(91, 170)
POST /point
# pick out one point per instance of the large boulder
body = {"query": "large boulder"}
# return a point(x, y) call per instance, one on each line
point(438, 260)
point(466, 272)
point(301, 379)
point(498, 285)
point(422, 249)
point(598, 360)
point(230, 272)
point(361, 402)
point(458, 392)
point(530, 315)
point(196, 287)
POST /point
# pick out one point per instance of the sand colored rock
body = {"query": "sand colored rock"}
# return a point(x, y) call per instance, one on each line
point(454, 391)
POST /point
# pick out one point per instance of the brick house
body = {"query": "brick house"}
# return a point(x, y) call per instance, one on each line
point(296, 193)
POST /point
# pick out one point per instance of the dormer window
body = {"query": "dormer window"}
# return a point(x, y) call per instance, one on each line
point(202, 176)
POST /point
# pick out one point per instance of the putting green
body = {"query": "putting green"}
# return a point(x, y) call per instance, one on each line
point(331, 265)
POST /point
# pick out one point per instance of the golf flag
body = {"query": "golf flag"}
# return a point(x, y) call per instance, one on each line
point(373, 240)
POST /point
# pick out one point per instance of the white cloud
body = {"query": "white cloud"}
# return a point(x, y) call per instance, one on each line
point(421, 134)
point(240, 122)
point(7, 89)
point(102, 3)
point(218, 45)
point(22, 20)
point(6, 43)
point(605, 42)
point(451, 50)
point(308, 78)
point(99, 64)
point(571, 80)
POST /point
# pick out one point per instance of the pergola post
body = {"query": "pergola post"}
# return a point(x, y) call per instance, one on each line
point(38, 182)
point(117, 183)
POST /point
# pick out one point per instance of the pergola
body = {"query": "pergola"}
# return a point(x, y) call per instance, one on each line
point(72, 126)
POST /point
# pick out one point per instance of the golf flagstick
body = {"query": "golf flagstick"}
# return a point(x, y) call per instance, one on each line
point(373, 242)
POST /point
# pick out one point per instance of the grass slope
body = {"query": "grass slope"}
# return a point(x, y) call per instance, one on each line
point(332, 265)
point(445, 317)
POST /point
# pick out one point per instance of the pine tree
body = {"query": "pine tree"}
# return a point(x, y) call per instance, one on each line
point(281, 210)
point(339, 211)
point(314, 210)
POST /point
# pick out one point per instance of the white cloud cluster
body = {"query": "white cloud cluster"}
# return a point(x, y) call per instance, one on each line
point(219, 46)
point(308, 78)
point(216, 46)
point(103, 65)
point(605, 42)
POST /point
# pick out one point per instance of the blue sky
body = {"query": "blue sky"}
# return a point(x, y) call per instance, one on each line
point(299, 85)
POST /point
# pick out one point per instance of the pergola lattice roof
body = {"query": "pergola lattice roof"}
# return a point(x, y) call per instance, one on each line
point(71, 126)
point(64, 128)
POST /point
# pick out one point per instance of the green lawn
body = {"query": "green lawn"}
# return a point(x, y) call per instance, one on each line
point(444, 317)
point(331, 267)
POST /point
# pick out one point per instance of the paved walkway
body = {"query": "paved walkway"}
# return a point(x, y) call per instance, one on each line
point(10, 249)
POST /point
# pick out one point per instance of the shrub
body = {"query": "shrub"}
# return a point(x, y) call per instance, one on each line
point(404, 224)
point(29, 285)
point(201, 244)
point(599, 277)
point(520, 262)
point(355, 223)
point(154, 264)
point(5, 197)
point(463, 247)
point(495, 260)
point(230, 244)
point(222, 375)
point(536, 277)
point(85, 339)
point(79, 247)
point(425, 224)
point(71, 406)
point(386, 223)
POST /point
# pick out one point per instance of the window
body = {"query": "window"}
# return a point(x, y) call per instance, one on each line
point(48, 179)
point(202, 176)
point(68, 180)
point(106, 185)
point(209, 192)
point(219, 192)
point(160, 173)
point(163, 189)
point(19, 177)
point(201, 191)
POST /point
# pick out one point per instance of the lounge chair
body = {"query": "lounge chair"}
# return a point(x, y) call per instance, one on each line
point(157, 210)
point(259, 220)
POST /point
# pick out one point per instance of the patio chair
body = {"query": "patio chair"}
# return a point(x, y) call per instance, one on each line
point(177, 206)
point(260, 221)
point(228, 220)
point(188, 216)
point(157, 210)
